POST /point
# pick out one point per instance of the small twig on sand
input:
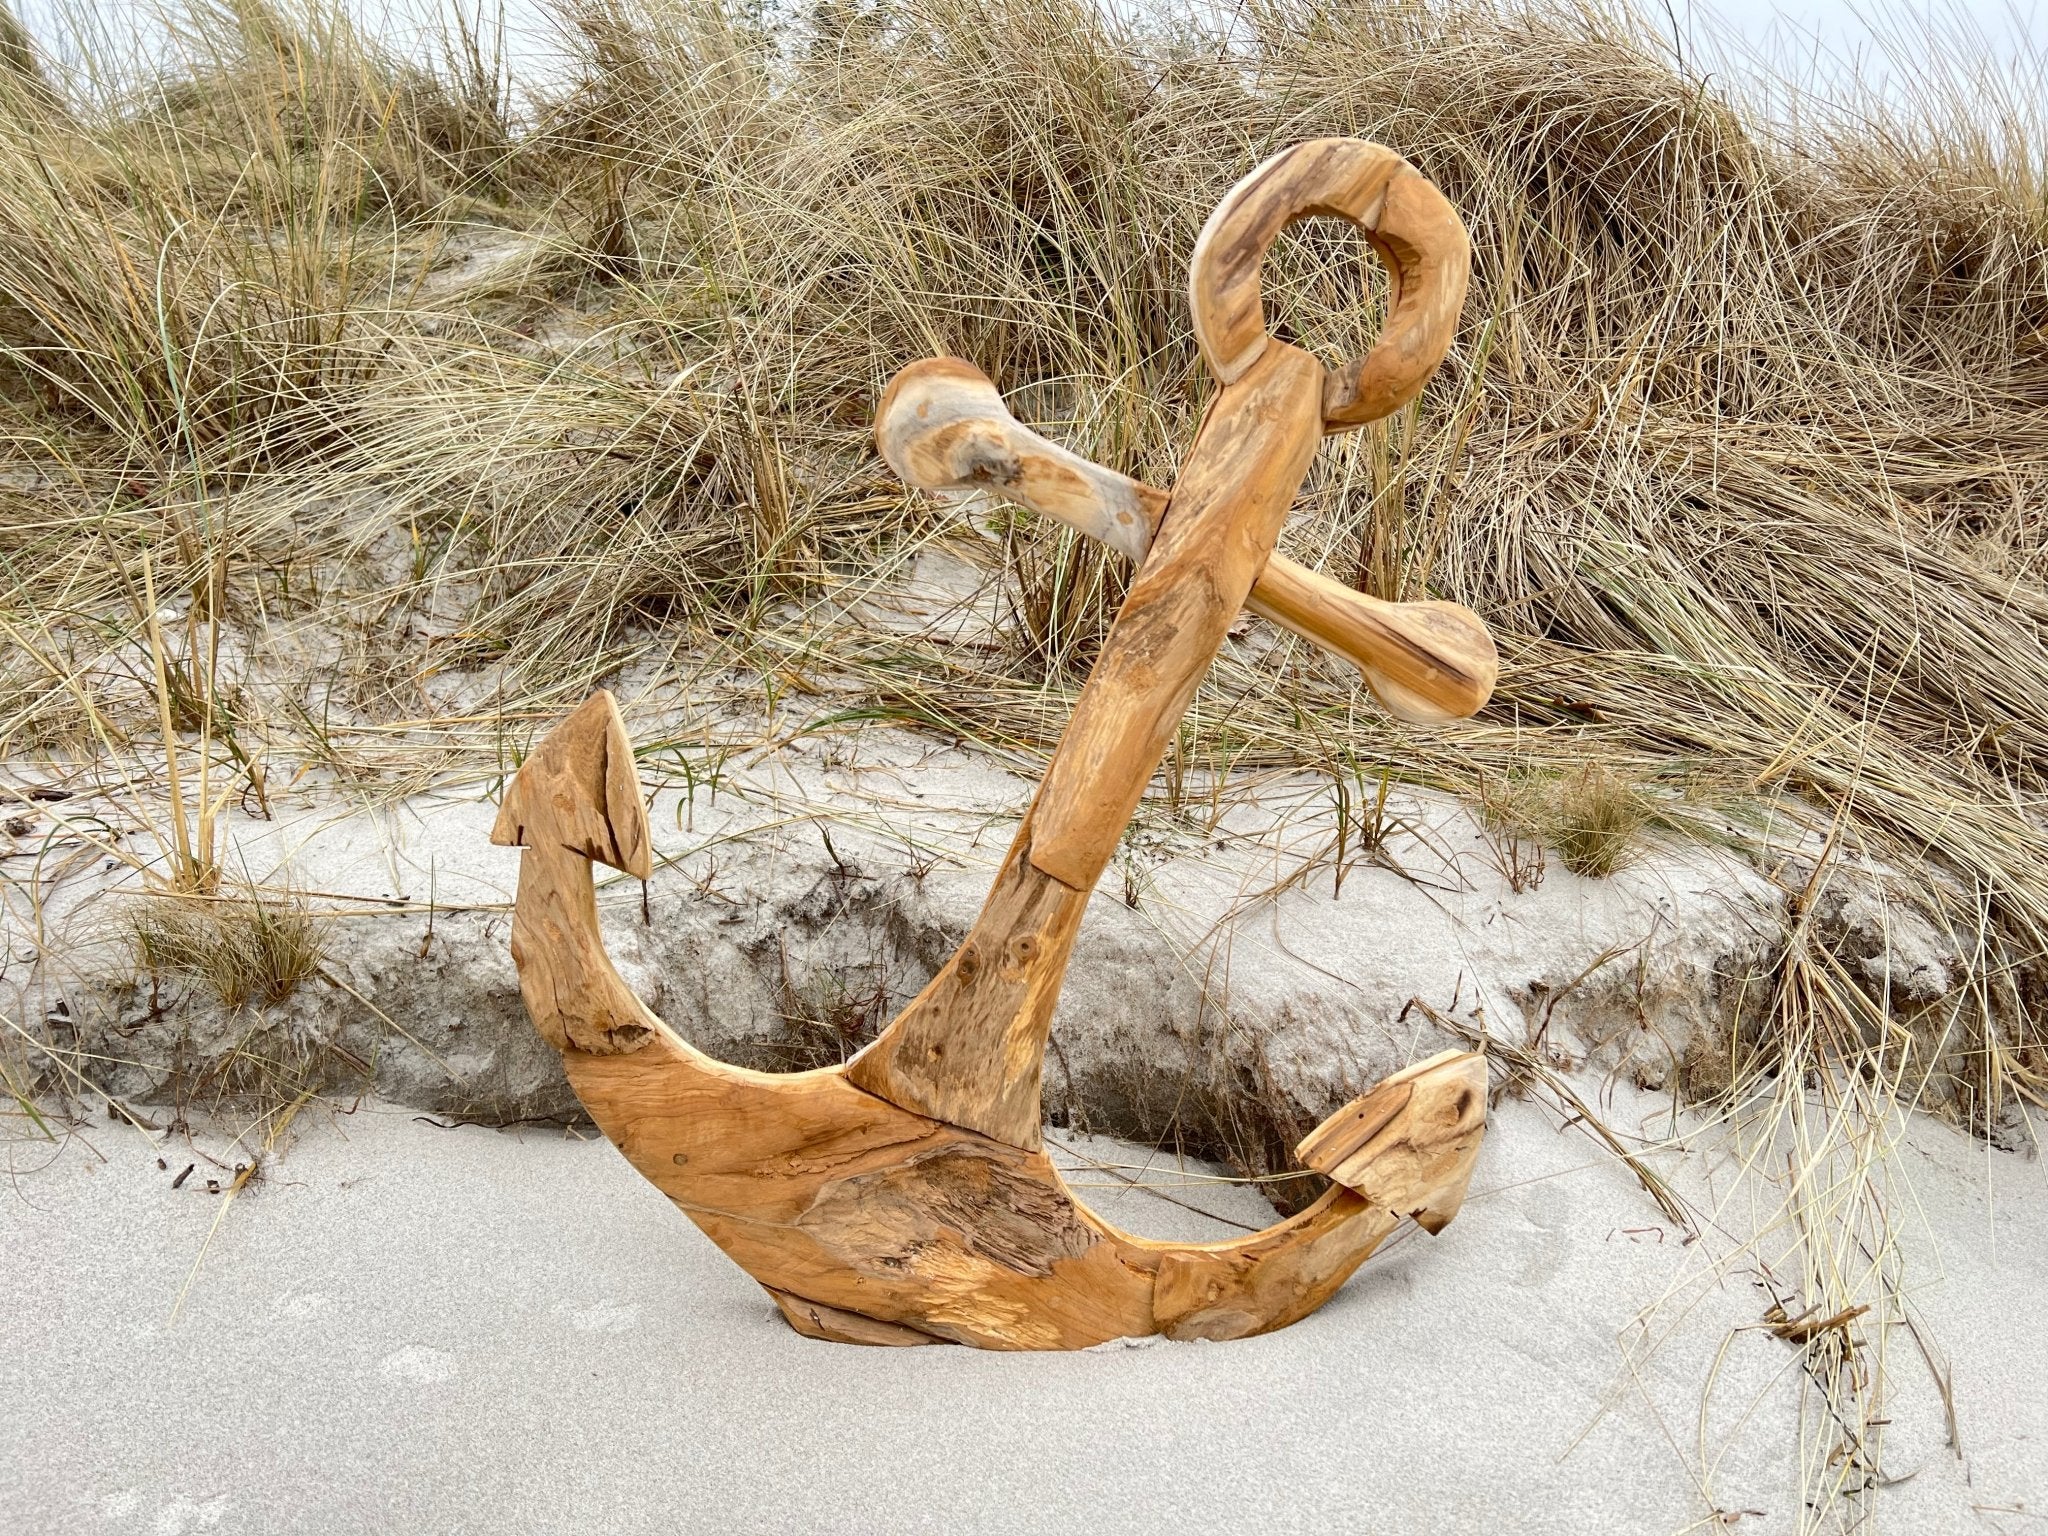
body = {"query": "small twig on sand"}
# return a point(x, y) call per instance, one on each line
point(284, 1118)
point(1533, 1066)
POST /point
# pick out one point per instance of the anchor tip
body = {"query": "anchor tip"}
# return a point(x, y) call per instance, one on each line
point(580, 789)
point(1408, 1145)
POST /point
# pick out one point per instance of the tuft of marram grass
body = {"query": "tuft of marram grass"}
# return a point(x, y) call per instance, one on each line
point(1592, 816)
point(1595, 819)
point(247, 946)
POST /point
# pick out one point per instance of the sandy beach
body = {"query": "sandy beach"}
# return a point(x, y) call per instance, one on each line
point(405, 1327)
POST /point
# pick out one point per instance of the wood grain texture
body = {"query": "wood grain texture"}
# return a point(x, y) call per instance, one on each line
point(1409, 1145)
point(577, 798)
point(905, 1198)
point(1426, 662)
point(831, 1195)
point(868, 1222)
point(944, 428)
point(1406, 220)
point(1236, 1290)
point(970, 1048)
point(815, 1320)
point(1234, 492)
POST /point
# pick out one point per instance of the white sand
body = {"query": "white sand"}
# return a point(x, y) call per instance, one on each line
point(404, 1328)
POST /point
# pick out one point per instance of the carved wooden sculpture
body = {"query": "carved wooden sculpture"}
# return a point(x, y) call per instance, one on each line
point(905, 1198)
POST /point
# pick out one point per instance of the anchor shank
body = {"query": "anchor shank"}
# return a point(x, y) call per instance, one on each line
point(970, 1049)
point(1220, 526)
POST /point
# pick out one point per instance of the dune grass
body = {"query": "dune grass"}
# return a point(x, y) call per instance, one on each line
point(1738, 451)
point(247, 946)
point(1595, 818)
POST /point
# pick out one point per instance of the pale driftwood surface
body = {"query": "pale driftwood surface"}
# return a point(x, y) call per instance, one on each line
point(1408, 1145)
point(1426, 662)
point(905, 1197)
point(851, 1210)
point(577, 798)
point(815, 1320)
point(970, 1049)
point(1415, 231)
point(1232, 1291)
point(943, 427)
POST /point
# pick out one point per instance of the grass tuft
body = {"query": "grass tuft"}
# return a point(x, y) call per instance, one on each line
point(1595, 819)
point(247, 946)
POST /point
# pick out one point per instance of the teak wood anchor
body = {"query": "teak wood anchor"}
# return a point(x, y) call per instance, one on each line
point(905, 1197)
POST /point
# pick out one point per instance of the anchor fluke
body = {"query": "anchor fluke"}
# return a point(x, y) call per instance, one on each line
point(1408, 1146)
point(576, 800)
point(580, 790)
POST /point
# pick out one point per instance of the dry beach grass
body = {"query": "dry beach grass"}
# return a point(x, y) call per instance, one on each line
point(356, 412)
point(1740, 452)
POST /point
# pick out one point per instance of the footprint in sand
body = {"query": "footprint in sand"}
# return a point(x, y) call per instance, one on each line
point(181, 1516)
point(119, 1506)
point(303, 1305)
point(417, 1362)
point(1543, 1254)
point(605, 1317)
point(1546, 1242)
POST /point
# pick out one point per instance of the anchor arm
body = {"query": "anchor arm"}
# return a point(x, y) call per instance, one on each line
point(943, 427)
point(575, 801)
point(872, 1224)
point(1408, 1145)
point(1406, 1148)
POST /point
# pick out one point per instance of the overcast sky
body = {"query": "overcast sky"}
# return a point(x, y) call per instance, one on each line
point(1844, 27)
point(1822, 38)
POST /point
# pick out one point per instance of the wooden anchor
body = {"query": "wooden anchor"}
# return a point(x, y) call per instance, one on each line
point(905, 1197)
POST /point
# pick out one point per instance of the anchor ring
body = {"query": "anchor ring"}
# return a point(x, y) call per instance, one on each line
point(1411, 225)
